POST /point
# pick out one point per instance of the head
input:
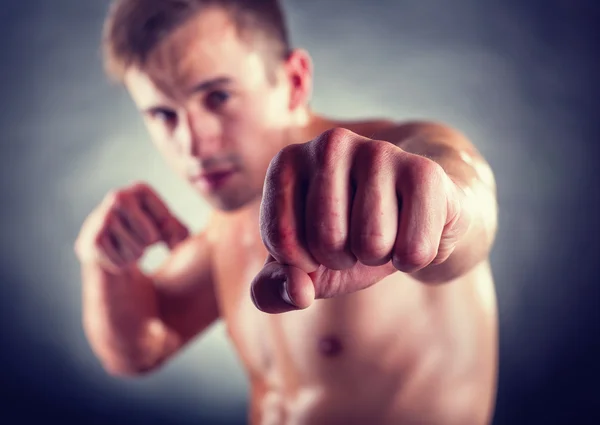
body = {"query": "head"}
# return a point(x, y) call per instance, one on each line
point(218, 86)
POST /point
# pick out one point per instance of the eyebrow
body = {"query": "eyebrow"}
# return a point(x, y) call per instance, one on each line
point(153, 109)
point(209, 84)
point(203, 86)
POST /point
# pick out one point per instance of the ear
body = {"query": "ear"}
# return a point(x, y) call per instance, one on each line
point(299, 70)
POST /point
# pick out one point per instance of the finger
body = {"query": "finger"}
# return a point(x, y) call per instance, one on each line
point(174, 232)
point(132, 225)
point(151, 203)
point(422, 214)
point(129, 250)
point(328, 215)
point(457, 221)
point(329, 198)
point(171, 230)
point(374, 217)
point(108, 252)
point(138, 223)
point(282, 210)
point(279, 288)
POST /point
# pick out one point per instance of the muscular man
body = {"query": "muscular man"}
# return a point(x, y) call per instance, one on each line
point(349, 260)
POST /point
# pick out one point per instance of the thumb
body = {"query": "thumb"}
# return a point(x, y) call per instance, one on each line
point(279, 288)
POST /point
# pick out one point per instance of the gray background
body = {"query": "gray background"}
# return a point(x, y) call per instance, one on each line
point(517, 77)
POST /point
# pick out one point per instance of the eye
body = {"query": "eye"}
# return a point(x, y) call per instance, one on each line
point(166, 116)
point(216, 99)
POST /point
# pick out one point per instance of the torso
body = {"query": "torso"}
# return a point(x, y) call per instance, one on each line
point(399, 352)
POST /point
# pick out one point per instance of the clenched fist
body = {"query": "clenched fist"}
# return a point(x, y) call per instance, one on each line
point(343, 211)
point(127, 222)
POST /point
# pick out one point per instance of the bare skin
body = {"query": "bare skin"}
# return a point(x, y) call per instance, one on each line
point(400, 351)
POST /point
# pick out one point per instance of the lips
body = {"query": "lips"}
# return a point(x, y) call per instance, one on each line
point(214, 179)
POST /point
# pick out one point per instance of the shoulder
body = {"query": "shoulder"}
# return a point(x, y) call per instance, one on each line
point(366, 128)
point(420, 128)
point(385, 129)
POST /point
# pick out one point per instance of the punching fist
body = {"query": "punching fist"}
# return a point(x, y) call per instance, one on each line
point(342, 212)
point(127, 222)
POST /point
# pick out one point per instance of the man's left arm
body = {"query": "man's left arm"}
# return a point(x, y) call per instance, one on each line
point(475, 183)
point(337, 209)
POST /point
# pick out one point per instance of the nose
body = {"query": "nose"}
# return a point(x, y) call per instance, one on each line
point(199, 135)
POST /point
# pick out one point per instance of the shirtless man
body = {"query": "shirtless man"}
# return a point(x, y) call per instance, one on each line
point(349, 260)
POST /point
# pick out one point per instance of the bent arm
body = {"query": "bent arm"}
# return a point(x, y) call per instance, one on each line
point(475, 180)
point(135, 322)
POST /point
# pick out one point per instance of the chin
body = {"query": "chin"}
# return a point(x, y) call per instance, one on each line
point(230, 203)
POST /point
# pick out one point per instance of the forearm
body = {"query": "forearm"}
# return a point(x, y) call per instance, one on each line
point(122, 322)
point(473, 180)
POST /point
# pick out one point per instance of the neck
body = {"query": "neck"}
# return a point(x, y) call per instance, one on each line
point(308, 125)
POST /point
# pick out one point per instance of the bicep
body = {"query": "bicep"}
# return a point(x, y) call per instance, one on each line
point(185, 288)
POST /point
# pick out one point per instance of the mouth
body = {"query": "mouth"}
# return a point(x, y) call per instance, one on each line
point(213, 180)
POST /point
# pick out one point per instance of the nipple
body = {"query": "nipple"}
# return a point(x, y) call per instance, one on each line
point(330, 346)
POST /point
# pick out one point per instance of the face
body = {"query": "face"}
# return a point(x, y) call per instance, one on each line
point(212, 111)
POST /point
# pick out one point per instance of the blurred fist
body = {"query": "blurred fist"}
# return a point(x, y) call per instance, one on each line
point(129, 220)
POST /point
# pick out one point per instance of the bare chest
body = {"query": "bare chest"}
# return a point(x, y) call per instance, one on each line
point(238, 257)
point(318, 344)
point(397, 318)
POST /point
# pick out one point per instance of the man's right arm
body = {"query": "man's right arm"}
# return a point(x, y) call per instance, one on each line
point(135, 322)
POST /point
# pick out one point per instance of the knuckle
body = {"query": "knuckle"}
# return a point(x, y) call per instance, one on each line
point(105, 222)
point(97, 245)
point(434, 171)
point(373, 246)
point(284, 156)
point(98, 239)
point(116, 197)
point(288, 152)
point(278, 160)
point(279, 168)
point(414, 169)
point(280, 239)
point(331, 240)
point(335, 133)
point(330, 145)
point(415, 256)
point(374, 152)
point(425, 170)
point(90, 233)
